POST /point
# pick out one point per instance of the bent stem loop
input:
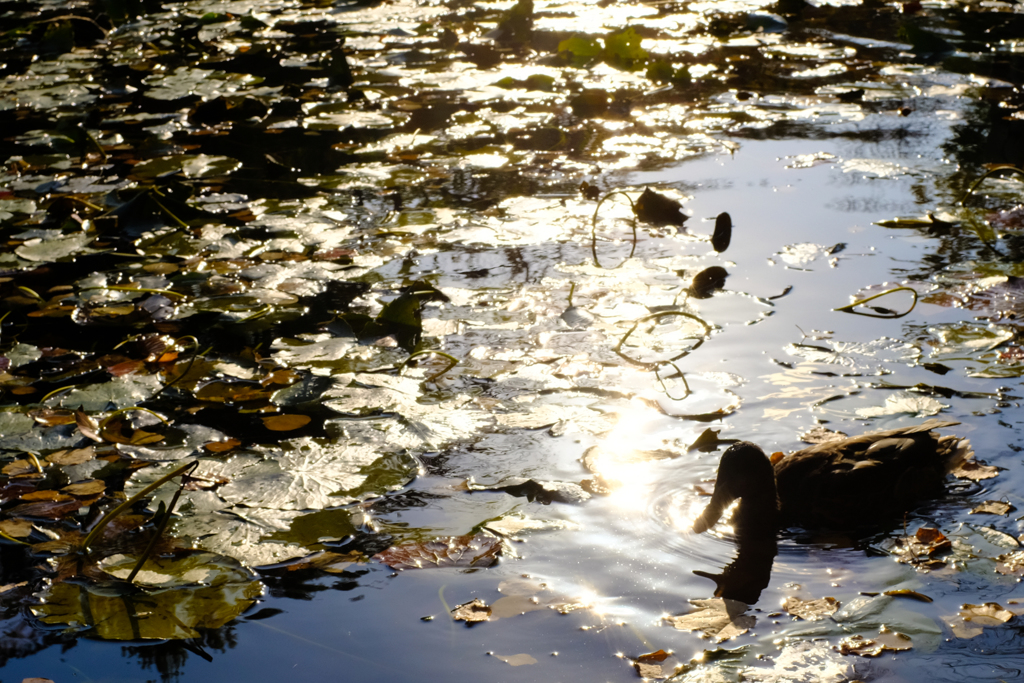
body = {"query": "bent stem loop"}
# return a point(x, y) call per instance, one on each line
point(657, 316)
point(679, 373)
point(848, 308)
point(984, 176)
point(593, 227)
point(452, 362)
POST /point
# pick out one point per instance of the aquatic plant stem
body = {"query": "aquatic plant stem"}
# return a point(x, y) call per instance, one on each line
point(593, 227)
point(109, 517)
point(848, 308)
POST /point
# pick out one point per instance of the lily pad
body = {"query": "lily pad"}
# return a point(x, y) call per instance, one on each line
point(184, 594)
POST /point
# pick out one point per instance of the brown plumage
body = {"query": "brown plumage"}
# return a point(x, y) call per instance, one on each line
point(845, 484)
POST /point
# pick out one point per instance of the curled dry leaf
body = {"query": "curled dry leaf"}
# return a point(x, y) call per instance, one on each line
point(972, 619)
point(993, 507)
point(472, 612)
point(481, 550)
point(921, 549)
point(872, 647)
point(907, 593)
point(811, 610)
point(975, 471)
point(651, 665)
point(1011, 564)
point(87, 426)
point(718, 618)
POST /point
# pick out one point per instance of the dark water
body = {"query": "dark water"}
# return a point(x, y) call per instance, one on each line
point(475, 192)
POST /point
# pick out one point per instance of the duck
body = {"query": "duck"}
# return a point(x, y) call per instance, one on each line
point(843, 485)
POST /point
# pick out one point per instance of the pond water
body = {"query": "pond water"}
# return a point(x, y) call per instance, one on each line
point(253, 234)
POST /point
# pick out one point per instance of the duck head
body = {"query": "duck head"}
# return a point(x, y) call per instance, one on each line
point(745, 473)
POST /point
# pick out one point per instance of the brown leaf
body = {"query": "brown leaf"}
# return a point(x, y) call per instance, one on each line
point(811, 610)
point(921, 549)
point(718, 618)
point(650, 665)
point(49, 509)
point(75, 457)
point(975, 471)
point(222, 446)
point(91, 487)
point(141, 437)
point(907, 593)
point(1011, 564)
point(993, 507)
point(480, 550)
point(472, 612)
point(16, 528)
point(285, 423)
point(988, 614)
point(48, 494)
point(51, 417)
point(21, 467)
point(872, 647)
point(659, 656)
point(87, 426)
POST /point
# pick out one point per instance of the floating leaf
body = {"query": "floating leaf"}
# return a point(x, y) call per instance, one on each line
point(517, 660)
point(17, 528)
point(651, 665)
point(707, 281)
point(545, 492)
point(975, 470)
point(904, 402)
point(1010, 564)
point(821, 435)
point(811, 610)
point(187, 592)
point(717, 618)
point(472, 612)
point(723, 232)
point(921, 549)
point(972, 619)
point(885, 641)
point(657, 209)
point(481, 550)
point(907, 593)
point(285, 423)
point(993, 507)
point(92, 487)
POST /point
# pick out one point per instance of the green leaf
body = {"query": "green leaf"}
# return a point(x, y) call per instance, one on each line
point(623, 49)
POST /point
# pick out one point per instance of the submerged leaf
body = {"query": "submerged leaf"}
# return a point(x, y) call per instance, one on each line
point(184, 593)
point(481, 550)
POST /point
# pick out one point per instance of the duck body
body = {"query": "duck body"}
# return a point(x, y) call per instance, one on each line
point(844, 485)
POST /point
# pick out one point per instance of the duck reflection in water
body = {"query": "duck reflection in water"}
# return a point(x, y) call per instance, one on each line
point(846, 485)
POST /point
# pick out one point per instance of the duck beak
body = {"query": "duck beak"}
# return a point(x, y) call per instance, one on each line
point(720, 500)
